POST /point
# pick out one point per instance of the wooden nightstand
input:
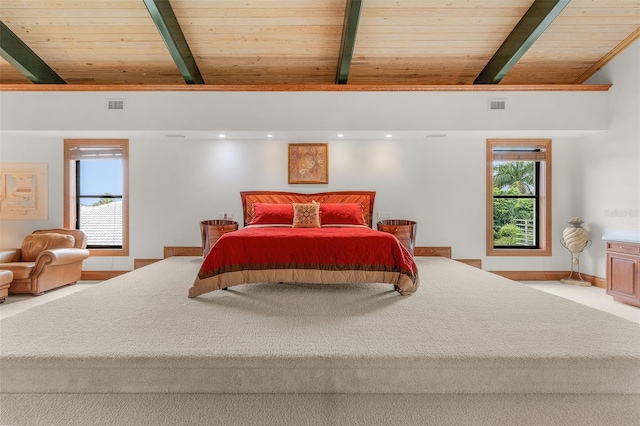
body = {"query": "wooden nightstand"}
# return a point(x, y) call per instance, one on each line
point(623, 272)
point(211, 230)
point(404, 230)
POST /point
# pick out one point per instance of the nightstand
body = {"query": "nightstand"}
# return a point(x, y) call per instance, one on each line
point(404, 230)
point(623, 272)
point(211, 230)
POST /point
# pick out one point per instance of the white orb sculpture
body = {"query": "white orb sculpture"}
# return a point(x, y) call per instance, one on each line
point(575, 237)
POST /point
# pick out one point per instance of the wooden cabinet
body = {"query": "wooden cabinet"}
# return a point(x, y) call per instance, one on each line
point(623, 272)
point(404, 230)
point(211, 230)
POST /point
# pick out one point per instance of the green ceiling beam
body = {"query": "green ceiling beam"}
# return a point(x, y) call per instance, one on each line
point(526, 32)
point(25, 60)
point(349, 30)
point(169, 28)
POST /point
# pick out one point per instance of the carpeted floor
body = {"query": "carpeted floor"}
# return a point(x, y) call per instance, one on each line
point(320, 410)
point(464, 332)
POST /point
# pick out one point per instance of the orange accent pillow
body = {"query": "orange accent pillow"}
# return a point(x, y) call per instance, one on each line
point(306, 215)
point(341, 214)
point(272, 214)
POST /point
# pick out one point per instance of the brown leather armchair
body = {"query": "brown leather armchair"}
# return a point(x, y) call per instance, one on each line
point(48, 259)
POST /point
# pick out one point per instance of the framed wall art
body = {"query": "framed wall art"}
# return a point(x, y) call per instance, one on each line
point(308, 163)
point(23, 191)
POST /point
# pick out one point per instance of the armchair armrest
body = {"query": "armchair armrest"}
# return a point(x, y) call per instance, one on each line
point(10, 255)
point(62, 256)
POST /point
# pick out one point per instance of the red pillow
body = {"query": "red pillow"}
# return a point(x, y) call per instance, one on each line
point(272, 214)
point(341, 214)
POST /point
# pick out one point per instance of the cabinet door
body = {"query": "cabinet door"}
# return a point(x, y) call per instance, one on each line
point(623, 276)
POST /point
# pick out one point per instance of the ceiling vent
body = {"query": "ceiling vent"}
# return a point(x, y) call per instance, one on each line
point(115, 104)
point(436, 135)
point(497, 104)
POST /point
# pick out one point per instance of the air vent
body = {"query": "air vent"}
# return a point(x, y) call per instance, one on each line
point(497, 104)
point(115, 104)
point(436, 135)
point(174, 135)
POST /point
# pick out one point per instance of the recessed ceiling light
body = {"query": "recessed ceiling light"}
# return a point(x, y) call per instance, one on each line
point(389, 135)
point(222, 135)
point(269, 136)
point(340, 135)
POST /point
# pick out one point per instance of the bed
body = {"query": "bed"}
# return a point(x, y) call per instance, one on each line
point(319, 238)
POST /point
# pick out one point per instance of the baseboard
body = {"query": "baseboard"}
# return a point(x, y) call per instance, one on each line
point(432, 251)
point(548, 276)
point(476, 263)
point(596, 281)
point(197, 251)
point(512, 275)
point(100, 275)
point(139, 263)
point(170, 251)
point(532, 275)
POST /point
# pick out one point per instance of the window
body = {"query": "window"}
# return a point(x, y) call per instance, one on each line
point(519, 197)
point(96, 196)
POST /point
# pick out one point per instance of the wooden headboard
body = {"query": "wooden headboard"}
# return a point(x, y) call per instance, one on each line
point(364, 198)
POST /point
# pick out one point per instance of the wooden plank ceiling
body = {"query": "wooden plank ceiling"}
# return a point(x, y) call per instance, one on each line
point(298, 42)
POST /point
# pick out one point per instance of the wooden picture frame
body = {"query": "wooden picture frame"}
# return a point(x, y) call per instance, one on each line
point(308, 163)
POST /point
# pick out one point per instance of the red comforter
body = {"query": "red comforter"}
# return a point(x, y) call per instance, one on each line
point(335, 255)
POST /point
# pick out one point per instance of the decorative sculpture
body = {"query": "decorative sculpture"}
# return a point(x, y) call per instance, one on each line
point(575, 239)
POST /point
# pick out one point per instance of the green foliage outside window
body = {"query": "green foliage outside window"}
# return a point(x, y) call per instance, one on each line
point(103, 200)
point(512, 216)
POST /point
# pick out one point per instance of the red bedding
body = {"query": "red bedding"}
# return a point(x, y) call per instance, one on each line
point(331, 255)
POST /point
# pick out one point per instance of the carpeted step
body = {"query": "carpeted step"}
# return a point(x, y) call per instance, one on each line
point(464, 331)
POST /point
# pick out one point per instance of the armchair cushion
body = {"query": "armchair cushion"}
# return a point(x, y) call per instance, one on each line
point(5, 277)
point(10, 255)
point(20, 270)
point(35, 244)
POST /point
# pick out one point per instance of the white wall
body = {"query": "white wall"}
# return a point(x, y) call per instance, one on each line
point(303, 111)
point(176, 183)
point(607, 166)
point(41, 149)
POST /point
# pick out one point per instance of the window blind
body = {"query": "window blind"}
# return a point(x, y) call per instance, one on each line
point(95, 152)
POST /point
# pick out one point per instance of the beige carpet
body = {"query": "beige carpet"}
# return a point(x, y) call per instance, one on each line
point(465, 331)
point(319, 410)
point(468, 348)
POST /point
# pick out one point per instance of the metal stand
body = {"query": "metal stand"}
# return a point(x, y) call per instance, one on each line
point(575, 261)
